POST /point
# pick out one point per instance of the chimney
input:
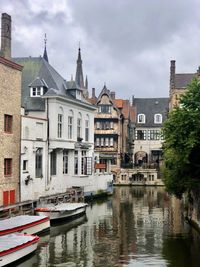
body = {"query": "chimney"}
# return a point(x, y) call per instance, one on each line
point(6, 36)
point(112, 95)
point(172, 74)
point(93, 93)
point(133, 100)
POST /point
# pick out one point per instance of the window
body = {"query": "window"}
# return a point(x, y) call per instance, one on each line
point(25, 165)
point(102, 141)
point(106, 141)
point(26, 132)
point(154, 135)
point(38, 163)
point(53, 162)
point(111, 141)
point(97, 125)
point(60, 118)
point(141, 118)
point(104, 109)
point(65, 161)
point(36, 91)
point(70, 127)
point(140, 135)
point(97, 142)
point(158, 118)
point(79, 122)
point(87, 129)
point(89, 165)
point(83, 162)
point(39, 130)
point(8, 123)
point(75, 162)
point(7, 167)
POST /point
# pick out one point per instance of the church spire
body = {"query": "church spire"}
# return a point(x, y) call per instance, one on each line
point(79, 71)
point(45, 56)
point(86, 82)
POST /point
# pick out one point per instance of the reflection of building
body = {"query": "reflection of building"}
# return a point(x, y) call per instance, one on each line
point(150, 116)
point(10, 104)
point(114, 122)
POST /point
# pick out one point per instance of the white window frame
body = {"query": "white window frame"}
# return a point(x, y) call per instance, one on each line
point(60, 125)
point(37, 91)
point(141, 118)
point(97, 142)
point(156, 120)
point(87, 129)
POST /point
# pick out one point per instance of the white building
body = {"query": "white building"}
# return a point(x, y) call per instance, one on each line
point(57, 148)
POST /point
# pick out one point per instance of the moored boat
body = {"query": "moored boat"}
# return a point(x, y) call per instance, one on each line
point(61, 211)
point(29, 224)
point(16, 246)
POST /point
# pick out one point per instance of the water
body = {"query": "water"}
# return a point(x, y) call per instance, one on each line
point(136, 227)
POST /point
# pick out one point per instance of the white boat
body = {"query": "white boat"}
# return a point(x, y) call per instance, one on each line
point(16, 246)
point(62, 211)
point(26, 224)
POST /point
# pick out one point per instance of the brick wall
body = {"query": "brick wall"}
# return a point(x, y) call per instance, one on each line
point(10, 103)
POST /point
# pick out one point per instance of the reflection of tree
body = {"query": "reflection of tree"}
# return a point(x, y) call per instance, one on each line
point(181, 251)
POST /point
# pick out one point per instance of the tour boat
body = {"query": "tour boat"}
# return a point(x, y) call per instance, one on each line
point(16, 246)
point(62, 211)
point(26, 224)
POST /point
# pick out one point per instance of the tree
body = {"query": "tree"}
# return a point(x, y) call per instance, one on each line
point(182, 143)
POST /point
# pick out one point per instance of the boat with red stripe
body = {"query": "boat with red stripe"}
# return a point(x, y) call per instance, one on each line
point(16, 246)
point(27, 224)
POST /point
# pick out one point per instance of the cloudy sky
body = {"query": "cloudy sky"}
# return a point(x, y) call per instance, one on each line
point(127, 44)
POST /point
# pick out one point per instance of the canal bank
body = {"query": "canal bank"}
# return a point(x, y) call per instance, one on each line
point(136, 226)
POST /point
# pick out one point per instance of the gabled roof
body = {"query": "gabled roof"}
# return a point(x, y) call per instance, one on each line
point(36, 70)
point(73, 85)
point(183, 79)
point(38, 82)
point(149, 107)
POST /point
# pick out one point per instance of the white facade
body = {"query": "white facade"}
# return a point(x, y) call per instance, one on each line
point(57, 150)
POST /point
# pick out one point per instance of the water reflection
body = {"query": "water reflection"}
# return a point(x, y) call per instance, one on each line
point(138, 226)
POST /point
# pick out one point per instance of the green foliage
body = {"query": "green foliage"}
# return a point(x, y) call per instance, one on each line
point(182, 143)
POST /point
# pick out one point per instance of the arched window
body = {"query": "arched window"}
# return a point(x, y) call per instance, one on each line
point(70, 124)
point(141, 118)
point(87, 126)
point(79, 125)
point(158, 118)
point(60, 123)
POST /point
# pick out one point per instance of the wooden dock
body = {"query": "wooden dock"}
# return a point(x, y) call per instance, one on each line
point(74, 194)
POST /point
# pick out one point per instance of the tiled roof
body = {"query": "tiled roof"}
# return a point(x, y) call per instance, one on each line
point(149, 107)
point(38, 71)
point(118, 102)
point(183, 79)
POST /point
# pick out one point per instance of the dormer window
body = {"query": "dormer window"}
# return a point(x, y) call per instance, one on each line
point(37, 91)
point(141, 118)
point(158, 118)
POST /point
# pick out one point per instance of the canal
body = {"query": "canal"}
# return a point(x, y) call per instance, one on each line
point(137, 226)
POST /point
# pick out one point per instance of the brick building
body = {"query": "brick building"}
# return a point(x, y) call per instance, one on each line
point(10, 109)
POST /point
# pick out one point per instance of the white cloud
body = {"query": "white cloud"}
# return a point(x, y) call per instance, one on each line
point(127, 44)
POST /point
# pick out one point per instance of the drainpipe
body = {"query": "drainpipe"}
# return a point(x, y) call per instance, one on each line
point(47, 182)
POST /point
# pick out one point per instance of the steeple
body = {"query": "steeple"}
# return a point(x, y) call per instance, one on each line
point(86, 82)
point(79, 71)
point(45, 49)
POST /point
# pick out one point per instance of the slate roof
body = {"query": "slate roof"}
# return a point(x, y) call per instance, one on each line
point(36, 71)
point(150, 107)
point(183, 79)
